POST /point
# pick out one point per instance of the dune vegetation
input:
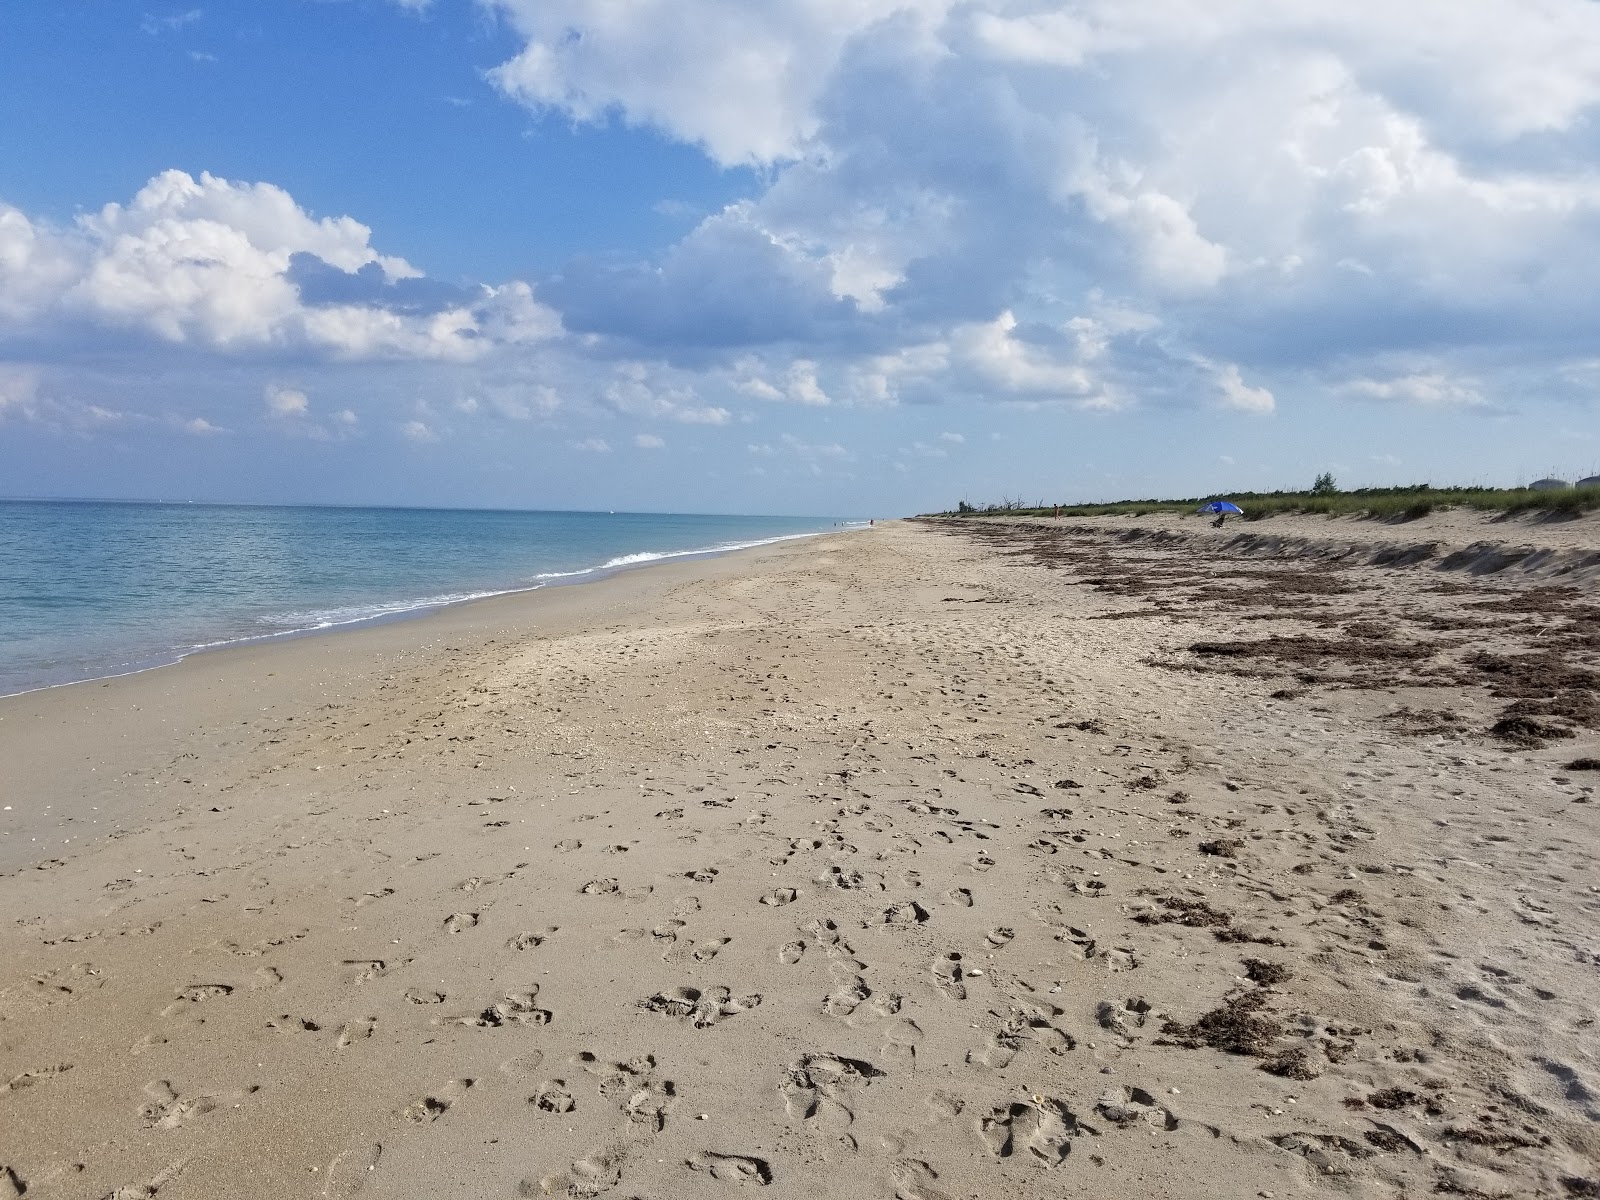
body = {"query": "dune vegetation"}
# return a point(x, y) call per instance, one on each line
point(1392, 503)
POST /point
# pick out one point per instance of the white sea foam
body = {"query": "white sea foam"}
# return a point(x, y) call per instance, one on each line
point(313, 620)
point(296, 623)
point(310, 620)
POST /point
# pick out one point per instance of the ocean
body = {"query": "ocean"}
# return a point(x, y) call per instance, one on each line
point(92, 589)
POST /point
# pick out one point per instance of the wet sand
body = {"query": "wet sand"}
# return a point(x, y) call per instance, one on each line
point(929, 861)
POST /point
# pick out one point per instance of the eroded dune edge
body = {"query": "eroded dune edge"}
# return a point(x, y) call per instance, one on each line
point(934, 861)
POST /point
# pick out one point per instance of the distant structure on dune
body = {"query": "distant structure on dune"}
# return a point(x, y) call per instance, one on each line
point(1548, 485)
point(1588, 481)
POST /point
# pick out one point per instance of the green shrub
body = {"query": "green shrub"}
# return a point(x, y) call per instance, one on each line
point(1405, 503)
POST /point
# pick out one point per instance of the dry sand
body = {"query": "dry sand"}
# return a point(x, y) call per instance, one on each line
point(922, 862)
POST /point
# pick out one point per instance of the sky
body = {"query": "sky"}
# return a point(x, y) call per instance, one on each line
point(827, 257)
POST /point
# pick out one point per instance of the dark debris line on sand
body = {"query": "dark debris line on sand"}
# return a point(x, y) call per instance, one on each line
point(1548, 671)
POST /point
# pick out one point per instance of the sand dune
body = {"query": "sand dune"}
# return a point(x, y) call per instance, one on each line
point(931, 861)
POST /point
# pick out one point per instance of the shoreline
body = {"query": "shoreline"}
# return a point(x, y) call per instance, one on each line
point(69, 707)
point(424, 608)
point(937, 863)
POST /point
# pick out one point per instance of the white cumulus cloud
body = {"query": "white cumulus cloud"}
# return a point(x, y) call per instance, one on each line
point(1433, 389)
point(221, 265)
point(1238, 394)
point(418, 431)
point(286, 401)
point(1263, 184)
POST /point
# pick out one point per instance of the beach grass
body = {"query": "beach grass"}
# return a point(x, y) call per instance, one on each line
point(1387, 504)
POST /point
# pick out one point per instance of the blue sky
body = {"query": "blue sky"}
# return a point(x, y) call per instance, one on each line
point(793, 257)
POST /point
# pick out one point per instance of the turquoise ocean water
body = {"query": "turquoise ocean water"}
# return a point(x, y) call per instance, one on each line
point(91, 589)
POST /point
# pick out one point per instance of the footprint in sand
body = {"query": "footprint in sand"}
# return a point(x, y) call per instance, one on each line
point(1125, 1106)
point(1121, 958)
point(947, 976)
point(1119, 1017)
point(368, 968)
point(816, 1086)
point(1043, 1127)
point(264, 944)
point(600, 887)
point(1020, 1028)
point(1000, 936)
point(961, 896)
point(901, 1037)
point(591, 1175)
point(945, 1106)
point(913, 1180)
point(523, 1064)
point(778, 897)
point(1077, 938)
point(824, 931)
point(167, 1110)
point(352, 1171)
point(528, 940)
point(837, 877)
point(553, 1097)
point(707, 950)
point(731, 1168)
point(886, 1004)
point(647, 1104)
point(1001, 1048)
point(145, 1191)
point(850, 991)
point(791, 953)
point(903, 914)
point(431, 1108)
point(355, 1031)
point(28, 1079)
point(423, 996)
point(518, 1008)
point(640, 1096)
point(460, 922)
point(566, 845)
point(373, 897)
point(285, 1023)
point(702, 875)
point(196, 993)
point(702, 1010)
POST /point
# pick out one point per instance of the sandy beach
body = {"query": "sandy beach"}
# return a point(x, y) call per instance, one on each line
point(1102, 858)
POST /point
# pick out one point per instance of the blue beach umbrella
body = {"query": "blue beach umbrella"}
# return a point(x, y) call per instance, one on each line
point(1221, 506)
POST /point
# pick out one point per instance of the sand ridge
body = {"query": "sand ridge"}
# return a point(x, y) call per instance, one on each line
point(902, 864)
